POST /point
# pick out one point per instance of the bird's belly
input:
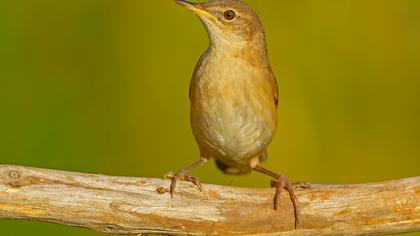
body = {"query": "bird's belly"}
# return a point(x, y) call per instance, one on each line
point(232, 122)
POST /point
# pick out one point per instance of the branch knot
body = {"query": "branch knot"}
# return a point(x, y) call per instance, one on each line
point(15, 179)
point(14, 174)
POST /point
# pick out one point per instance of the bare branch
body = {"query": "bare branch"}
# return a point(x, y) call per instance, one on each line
point(140, 205)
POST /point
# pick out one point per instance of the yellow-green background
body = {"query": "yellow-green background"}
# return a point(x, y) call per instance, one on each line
point(102, 86)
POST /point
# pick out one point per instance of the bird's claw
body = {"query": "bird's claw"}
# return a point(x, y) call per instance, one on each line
point(175, 178)
point(283, 183)
point(302, 184)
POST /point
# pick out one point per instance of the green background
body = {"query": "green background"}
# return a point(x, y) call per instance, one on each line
point(102, 86)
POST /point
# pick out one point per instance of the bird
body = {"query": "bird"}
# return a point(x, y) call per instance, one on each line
point(234, 96)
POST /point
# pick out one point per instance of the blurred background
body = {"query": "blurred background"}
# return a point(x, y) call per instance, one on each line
point(101, 86)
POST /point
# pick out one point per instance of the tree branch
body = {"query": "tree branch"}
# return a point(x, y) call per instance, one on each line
point(140, 205)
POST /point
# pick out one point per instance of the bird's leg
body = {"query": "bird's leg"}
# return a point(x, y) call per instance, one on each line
point(183, 176)
point(281, 183)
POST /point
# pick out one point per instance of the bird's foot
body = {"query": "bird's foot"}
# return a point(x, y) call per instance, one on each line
point(283, 183)
point(181, 177)
point(301, 184)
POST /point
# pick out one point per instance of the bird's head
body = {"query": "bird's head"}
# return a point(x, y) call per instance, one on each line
point(228, 22)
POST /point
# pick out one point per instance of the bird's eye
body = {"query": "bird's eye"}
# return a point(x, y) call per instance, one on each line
point(229, 15)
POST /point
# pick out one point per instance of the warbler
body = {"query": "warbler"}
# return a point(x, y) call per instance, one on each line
point(233, 95)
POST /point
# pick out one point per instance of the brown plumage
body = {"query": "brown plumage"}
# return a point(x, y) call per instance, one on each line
point(233, 94)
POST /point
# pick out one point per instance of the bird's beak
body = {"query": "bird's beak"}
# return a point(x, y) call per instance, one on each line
point(195, 9)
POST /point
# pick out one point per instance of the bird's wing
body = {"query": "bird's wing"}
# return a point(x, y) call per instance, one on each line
point(273, 85)
point(191, 89)
point(276, 91)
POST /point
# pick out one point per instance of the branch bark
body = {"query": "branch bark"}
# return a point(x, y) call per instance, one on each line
point(124, 205)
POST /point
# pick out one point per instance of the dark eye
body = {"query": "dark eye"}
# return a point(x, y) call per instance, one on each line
point(229, 15)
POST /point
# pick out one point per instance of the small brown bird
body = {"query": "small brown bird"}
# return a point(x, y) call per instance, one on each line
point(234, 95)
